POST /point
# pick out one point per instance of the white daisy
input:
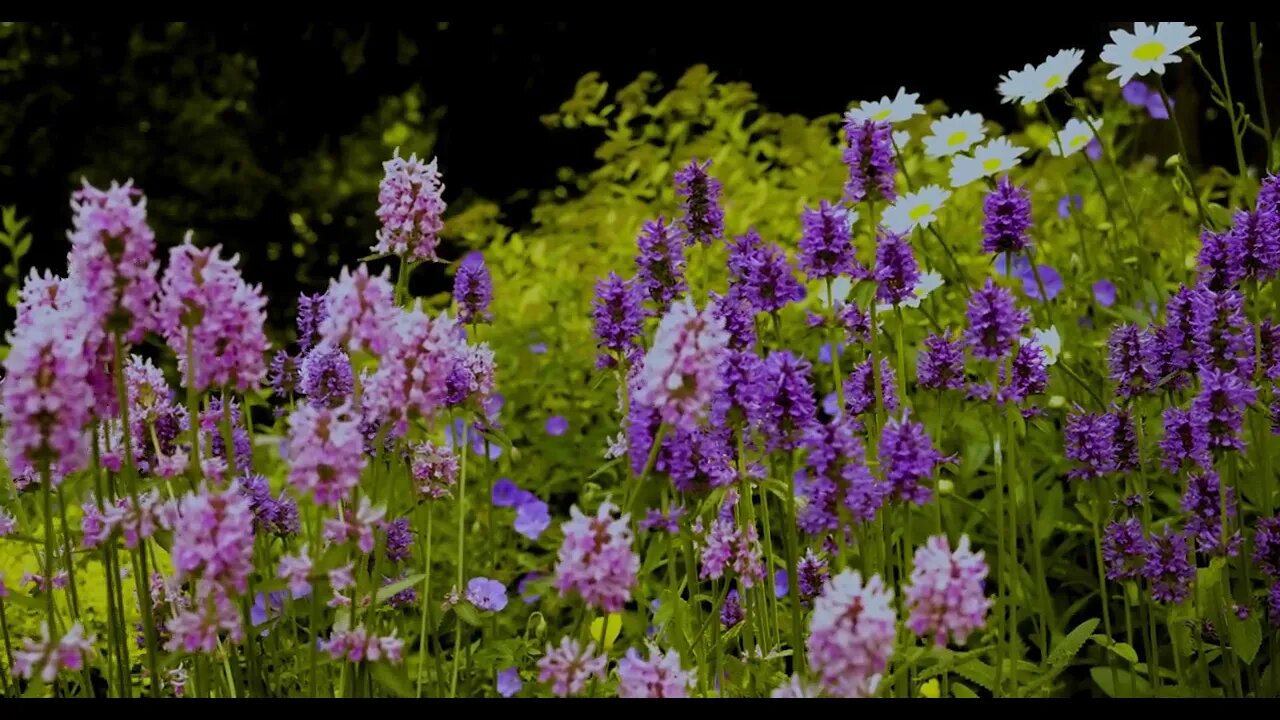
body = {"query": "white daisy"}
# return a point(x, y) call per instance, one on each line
point(1147, 49)
point(1034, 84)
point(998, 155)
point(1048, 340)
point(929, 281)
point(1073, 137)
point(953, 134)
point(901, 138)
point(902, 107)
point(915, 209)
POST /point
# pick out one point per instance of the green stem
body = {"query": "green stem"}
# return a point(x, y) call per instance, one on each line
point(835, 343)
point(1231, 108)
point(793, 573)
point(460, 439)
point(426, 598)
point(1262, 94)
point(1103, 597)
point(1182, 150)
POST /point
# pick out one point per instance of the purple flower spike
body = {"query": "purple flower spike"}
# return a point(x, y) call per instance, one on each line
point(703, 219)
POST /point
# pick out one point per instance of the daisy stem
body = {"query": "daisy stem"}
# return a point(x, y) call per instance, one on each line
point(648, 467)
point(1044, 296)
point(1002, 581)
point(1230, 106)
point(960, 273)
point(1185, 166)
point(1262, 94)
point(8, 649)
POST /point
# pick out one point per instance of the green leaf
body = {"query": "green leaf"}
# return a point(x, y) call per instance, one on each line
point(1126, 651)
point(1067, 648)
point(979, 672)
point(1052, 510)
point(1245, 636)
point(960, 690)
point(393, 680)
point(467, 613)
point(1102, 677)
point(399, 586)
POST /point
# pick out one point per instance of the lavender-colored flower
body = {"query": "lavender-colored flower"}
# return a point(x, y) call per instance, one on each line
point(743, 251)
point(434, 469)
point(212, 422)
point(941, 363)
point(860, 388)
point(869, 156)
point(1222, 335)
point(946, 596)
point(852, 634)
point(509, 682)
point(1273, 602)
point(681, 372)
point(787, 406)
point(46, 399)
point(727, 546)
point(618, 314)
point(796, 688)
point(486, 594)
point(1066, 202)
point(206, 305)
point(660, 263)
point(1257, 235)
point(813, 573)
point(47, 657)
point(1104, 292)
point(738, 316)
point(1203, 502)
point(1093, 150)
point(1184, 441)
point(324, 452)
point(113, 257)
point(668, 522)
point(325, 376)
point(1266, 546)
point(312, 310)
point(1125, 550)
point(427, 364)
point(1221, 260)
point(398, 543)
point(532, 517)
point(1049, 276)
point(1007, 219)
point(1175, 340)
point(1269, 350)
point(907, 457)
point(1028, 373)
point(278, 516)
point(410, 206)
point(769, 283)
point(1090, 441)
point(1124, 441)
point(360, 311)
point(703, 219)
point(731, 613)
point(596, 559)
point(658, 677)
point(837, 463)
point(8, 524)
point(826, 248)
point(995, 322)
point(896, 271)
point(556, 426)
point(359, 645)
point(473, 290)
point(506, 493)
point(740, 392)
point(1133, 360)
point(282, 374)
point(698, 460)
point(569, 666)
point(1219, 408)
point(1167, 567)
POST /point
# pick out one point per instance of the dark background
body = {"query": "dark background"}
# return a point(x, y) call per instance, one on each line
point(213, 120)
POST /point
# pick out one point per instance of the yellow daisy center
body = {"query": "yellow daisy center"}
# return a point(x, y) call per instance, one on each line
point(1148, 51)
point(882, 115)
point(957, 137)
point(919, 211)
point(1053, 81)
point(991, 165)
point(1079, 140)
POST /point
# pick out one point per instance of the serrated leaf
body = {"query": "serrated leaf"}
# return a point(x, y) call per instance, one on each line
point(397, 587)
point(1067, 648)
point(1245, 636)
point(392, 679)
point(979, 672)
point(960, 690)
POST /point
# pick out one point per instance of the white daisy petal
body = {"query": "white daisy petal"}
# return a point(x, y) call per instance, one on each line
point(954, 134)
point(996, 156)
point(903, 106)
point(1073, 137)
point(1034, 84)
point(1146, 50)
point(916, 209)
